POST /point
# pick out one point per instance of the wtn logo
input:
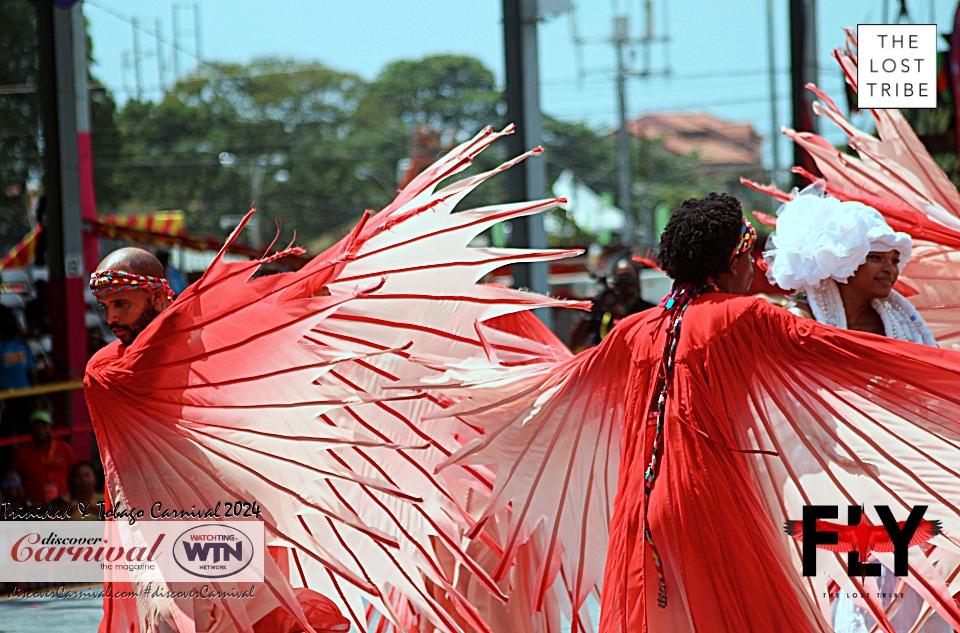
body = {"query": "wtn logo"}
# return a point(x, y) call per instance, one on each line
point(202, 550)
point(859, 539)
point(213, 551)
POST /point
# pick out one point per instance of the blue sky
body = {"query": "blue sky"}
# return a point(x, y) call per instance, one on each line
point(717, 53)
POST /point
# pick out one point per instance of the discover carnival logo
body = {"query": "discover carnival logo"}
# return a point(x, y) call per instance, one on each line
point(213, 550)
point(147, 551)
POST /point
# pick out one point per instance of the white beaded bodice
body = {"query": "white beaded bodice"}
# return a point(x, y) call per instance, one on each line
point(900, 319)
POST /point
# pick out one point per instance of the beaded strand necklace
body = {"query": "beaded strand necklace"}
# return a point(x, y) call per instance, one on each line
point(678, 300)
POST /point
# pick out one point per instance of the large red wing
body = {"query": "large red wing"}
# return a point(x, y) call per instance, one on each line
point(926, 531)
point(268, 389)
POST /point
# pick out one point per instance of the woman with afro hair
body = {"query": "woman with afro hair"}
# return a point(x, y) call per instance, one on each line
point(697, 243)
point(667, 460)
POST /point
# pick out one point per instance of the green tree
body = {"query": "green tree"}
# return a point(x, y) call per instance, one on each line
point(228, 132)
point(451, 94)
point(449, 97)
point(20, 111)
point(590, 155)
point(272, 129)
point(658, 178)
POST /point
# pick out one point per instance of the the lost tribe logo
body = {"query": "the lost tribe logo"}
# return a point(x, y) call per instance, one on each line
point(859, 538)
point(213, 551)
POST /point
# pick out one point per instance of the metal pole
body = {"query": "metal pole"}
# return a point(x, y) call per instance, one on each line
point(257, 173)
point(196, 30)
point(161, 65)
point(526, 181)
point(774, 116)
point(648, 39)
point(63, 73)
point(803, 70)
point(176, 46)
point(136, 58)
point(623, 142)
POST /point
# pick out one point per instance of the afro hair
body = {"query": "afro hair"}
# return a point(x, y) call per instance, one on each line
point(700, 237)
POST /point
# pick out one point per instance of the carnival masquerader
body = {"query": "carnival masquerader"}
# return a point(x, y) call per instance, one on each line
point(132, 292)
point(268, 390)
point(894, 174)
point(843, 260)
point(692, 432)
point(274, 389)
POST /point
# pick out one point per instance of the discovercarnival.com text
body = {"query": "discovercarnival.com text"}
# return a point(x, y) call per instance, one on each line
point(204, 592)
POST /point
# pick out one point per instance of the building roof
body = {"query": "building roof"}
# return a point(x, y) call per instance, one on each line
point(715, 141)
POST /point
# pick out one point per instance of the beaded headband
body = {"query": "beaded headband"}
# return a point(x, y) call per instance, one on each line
point(105, 282)
point(748, 235)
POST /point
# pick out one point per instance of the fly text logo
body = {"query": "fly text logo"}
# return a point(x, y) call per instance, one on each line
point(859, 538)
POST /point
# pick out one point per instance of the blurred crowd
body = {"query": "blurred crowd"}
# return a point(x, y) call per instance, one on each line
point(45, 477)
point(40, 471)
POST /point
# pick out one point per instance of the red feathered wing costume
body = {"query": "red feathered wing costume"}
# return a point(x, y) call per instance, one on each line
point(270, 390)
point(765, 413)
point(893, 172)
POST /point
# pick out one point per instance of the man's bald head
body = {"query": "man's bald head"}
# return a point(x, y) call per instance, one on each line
point(130, 304)
point(133, 260)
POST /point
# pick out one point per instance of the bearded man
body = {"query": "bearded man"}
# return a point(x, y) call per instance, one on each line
point(132, 291)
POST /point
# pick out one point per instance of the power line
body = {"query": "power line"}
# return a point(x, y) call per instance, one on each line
point(133, 22)
point(762, 100)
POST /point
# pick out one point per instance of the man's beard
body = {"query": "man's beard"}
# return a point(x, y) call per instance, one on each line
point(145, 318)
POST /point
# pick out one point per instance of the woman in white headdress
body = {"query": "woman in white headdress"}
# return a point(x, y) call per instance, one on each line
point(843, 260)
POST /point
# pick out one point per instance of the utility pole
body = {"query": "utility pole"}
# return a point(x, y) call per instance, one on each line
point(179, 33)
point(774, 116)
point(176, 47)
point(803, 70)
point(161, 62)
point(138, 75)
point(526, 181)
point(621, 38)
point(196, 31)
point(68, 190)
point(623, 44)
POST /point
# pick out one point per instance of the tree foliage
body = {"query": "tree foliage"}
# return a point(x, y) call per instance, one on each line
point(19, 118)
point(228, 134)
point(311, 147)
point(266, 134)
point(21, 160)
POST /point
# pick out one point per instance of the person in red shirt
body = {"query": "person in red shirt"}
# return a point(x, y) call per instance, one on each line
point(43, 463)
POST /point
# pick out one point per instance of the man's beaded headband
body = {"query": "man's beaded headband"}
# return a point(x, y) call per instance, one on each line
point(748, 235)
point(105, 282)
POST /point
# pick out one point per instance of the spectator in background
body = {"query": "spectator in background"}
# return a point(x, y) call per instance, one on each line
point(617, 299)
point(37, 313)
point(12, 494)
point(40, 216)
point(44, 462)
point(16, 372)
point(172, 275)
point(95, 340)
point(85, 489)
